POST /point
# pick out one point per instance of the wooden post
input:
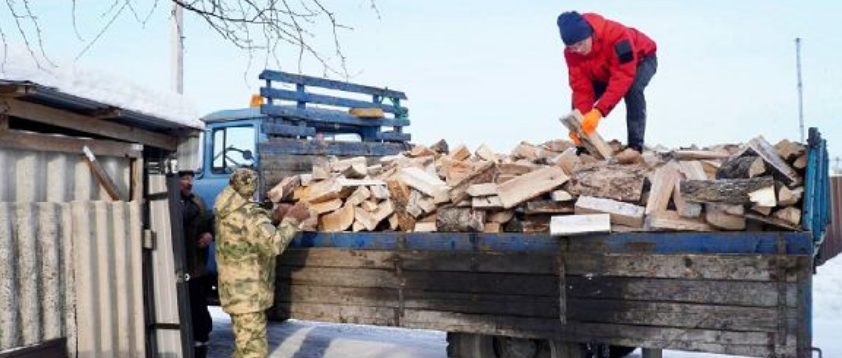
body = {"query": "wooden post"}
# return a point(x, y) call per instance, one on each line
point(101, 176)
point(652, 353)
point(137, 179)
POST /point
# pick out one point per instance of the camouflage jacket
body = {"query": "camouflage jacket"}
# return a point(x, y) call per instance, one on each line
point(246, 248)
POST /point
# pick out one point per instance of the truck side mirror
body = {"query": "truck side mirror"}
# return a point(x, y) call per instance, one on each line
point(247, 155)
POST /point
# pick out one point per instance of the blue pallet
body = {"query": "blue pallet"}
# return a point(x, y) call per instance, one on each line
point(288, 130)
point(329, 116)
point(296, 96)
point(764, 243)
point(329, 84)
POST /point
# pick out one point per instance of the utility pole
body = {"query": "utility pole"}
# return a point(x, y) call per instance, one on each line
point(177, 48)
point(800, 88)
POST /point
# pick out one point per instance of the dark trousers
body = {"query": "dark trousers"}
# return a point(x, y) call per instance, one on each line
point(635, 101)
point(202, 323)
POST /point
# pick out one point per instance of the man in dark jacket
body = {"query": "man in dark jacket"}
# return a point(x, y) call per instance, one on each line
point(607, 62)
point(197, 222)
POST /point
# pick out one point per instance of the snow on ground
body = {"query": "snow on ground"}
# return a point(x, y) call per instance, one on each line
point(19, 65)
point(303, 339)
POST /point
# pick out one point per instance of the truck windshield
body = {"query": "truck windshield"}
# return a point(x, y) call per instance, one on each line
point(233, 147)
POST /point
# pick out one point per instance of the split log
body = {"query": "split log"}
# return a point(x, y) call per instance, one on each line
point(670, 220)
point(621, 213)
point(726, 191)
point(400, 198)
point(699, 154)
point(487, 202)
point(562, 196)
point(425, 227)
point(663, 185)
point(426, 183)
point(339, 220)
point(801, 162)
point(741, 168)
point(355, 171)
point(628, 156)
point(379, 192)
point(789, 197)
point(359, 196)
point(501, 216)
point(370, 219)
point(283, 191)
point(322, 191)
point(460, 220)
point(763, 210)
point(617, 182)
point(777, 165)
point(339, 166)
point(527, 151)
point(440, 147)
point(568, 160)
point(789, 150)
point(326, 207)
point(790, 215)
point(484, 152)
point(369, 205)
point(484, 173)
point(548, 207)
point(492, 228)
point(594, 143)
point(516, 168)
point(568, 225)
point(460, 153)
point(421, 151)
point(530, 185)
point(716, 216)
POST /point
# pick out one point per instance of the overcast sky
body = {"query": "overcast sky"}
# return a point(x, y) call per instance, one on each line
point(493, 72)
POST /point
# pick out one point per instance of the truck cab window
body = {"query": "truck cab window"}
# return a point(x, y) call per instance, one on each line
point(233, 147)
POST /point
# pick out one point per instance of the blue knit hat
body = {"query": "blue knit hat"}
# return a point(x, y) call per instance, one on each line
point(573, 27)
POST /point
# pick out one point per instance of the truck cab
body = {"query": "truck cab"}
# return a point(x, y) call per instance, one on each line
point(292, 128)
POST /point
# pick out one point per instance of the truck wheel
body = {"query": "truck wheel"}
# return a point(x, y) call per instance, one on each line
point(508, 347)
point(468, 345)
point(561, 349)
point(608, 351)
point(619, 351)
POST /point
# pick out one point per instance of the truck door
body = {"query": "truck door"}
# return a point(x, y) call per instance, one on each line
point(228, 146)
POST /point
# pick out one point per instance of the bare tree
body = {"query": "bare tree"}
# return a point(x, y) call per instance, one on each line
point(258, 27)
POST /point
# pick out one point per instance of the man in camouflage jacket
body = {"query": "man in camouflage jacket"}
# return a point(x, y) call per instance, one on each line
point(247, 245)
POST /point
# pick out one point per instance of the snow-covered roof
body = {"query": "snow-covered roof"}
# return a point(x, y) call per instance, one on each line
point(96, 87)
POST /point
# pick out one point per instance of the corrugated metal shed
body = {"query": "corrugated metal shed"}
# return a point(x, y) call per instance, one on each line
point(31, 176)
point(833, 241)
point(72, 270)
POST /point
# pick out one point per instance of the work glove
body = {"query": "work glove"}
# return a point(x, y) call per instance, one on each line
point(575, 138)
point(590, 121)
point(300, 211)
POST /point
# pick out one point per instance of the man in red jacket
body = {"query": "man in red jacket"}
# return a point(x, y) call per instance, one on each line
point(606, 62)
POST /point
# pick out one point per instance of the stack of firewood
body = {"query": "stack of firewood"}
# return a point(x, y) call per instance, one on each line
point(755, 186)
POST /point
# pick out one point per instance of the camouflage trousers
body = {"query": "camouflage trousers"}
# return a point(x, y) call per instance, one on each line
point(250, 335)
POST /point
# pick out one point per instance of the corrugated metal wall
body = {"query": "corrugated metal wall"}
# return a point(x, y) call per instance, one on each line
point(74, 270)
point(31, 176)
point(833, 241)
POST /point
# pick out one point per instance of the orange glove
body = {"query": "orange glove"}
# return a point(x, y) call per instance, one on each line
point(575, 138)
point(590, 121)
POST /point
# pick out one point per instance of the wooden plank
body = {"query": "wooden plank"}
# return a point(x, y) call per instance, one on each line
point(66, 119)
point(617, 182)
point(372, 113)
point(621, 213)
point(137, 175)
point(330, 84)
point(528, 186)
point(670, 220)
point(725, 191)
point(593, 142)
point(569, 225)
point(714, 341)
point(763, 149)
point(663, 184)
point(675, 266)
point(102, 176)
point(15, 139)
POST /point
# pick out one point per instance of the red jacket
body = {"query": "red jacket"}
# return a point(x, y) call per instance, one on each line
point(613, 60)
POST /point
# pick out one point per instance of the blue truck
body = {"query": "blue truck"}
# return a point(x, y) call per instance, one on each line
point(517, 294)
